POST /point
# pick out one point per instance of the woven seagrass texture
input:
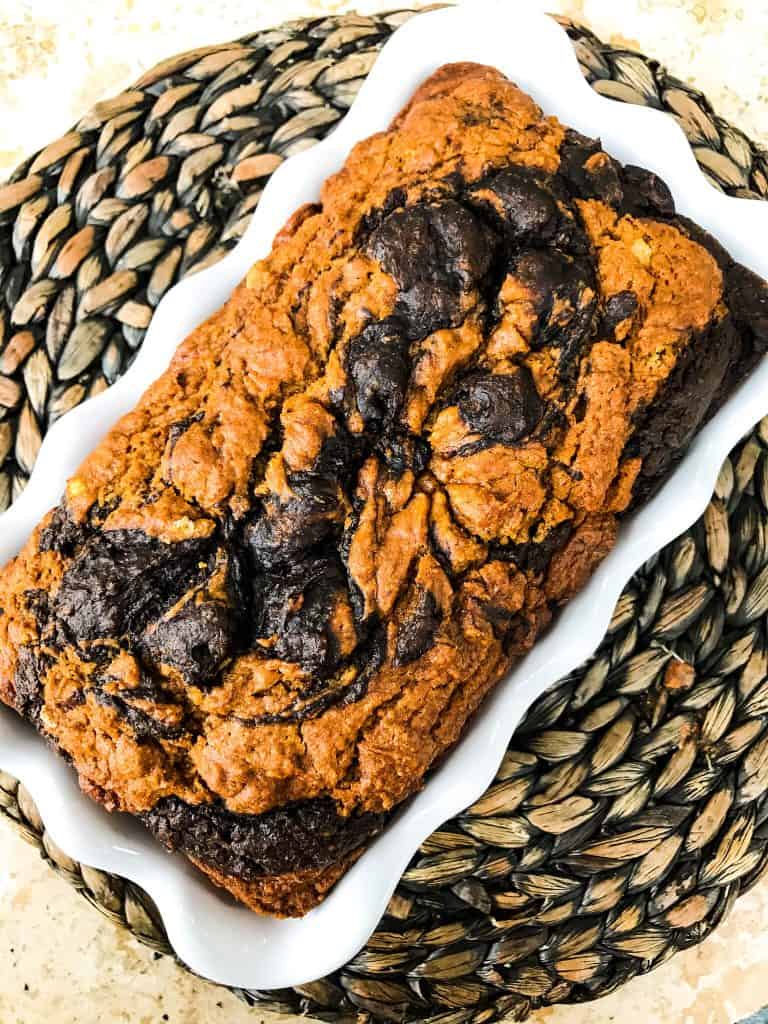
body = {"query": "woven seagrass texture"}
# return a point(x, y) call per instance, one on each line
point(630, 810)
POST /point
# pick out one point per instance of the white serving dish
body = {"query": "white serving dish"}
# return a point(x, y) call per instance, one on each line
point(215, 937)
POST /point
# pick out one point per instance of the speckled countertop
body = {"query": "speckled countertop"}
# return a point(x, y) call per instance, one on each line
point(60, 962)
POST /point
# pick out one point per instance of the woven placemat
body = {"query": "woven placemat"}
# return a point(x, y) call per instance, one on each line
point(630, 810)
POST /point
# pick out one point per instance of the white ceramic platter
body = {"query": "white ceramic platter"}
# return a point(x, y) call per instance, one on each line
point(215, 937)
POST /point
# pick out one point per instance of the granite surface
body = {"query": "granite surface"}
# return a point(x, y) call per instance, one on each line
point(60, 961)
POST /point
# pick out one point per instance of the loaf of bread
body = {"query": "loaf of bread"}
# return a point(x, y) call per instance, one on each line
point(273, 596)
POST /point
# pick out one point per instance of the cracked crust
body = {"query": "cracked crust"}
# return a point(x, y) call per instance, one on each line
point(274, 595)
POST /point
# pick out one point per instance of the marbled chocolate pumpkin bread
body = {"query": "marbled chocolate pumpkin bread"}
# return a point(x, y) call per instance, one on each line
point(273, 596)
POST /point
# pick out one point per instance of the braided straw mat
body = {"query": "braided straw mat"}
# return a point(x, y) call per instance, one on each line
point(629, 812)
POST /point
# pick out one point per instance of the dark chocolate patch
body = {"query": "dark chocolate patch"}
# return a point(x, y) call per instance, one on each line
point(437, 252)
point(394, 200)
point(563, 291)
point(589, 171)
point(62, 534)
point(646, 194)
point(39, 604)
point(401, 451)
point(417, 631)
point(297, 837)
point(27, 683)
point(528, 207)
point(665, 428)
point(120, 580)
point(533, 556)
point(369, 657)
point(197, 641)
point(504, 408)
point(340, 456)
point(525, 207)
point(618, 308)
point(283, 531)
point(379, 368)
point(319, 694)
point(297, 608)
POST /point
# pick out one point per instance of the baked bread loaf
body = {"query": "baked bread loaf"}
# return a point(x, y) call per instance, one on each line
point(273, 596)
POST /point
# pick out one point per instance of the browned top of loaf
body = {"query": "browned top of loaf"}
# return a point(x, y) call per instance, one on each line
point(250, 403)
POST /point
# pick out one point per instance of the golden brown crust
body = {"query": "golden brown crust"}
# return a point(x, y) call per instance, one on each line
point(290, 895)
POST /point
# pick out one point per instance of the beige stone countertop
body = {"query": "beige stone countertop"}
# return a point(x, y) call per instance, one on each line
point(60, 961)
